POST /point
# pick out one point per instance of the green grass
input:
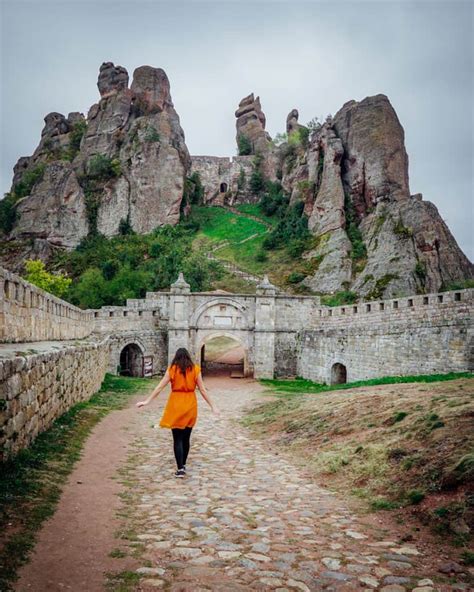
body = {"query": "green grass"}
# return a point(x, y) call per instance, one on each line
point(301, 385)
point(254, 210)
point(32, 482)
point(219, 224)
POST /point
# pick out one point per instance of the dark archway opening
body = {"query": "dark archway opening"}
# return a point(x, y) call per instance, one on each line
point(223, 355)
point(131, 361)
point(338, 374)
point(223, 187)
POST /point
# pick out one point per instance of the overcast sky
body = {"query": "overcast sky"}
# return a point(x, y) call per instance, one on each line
point(314, 56)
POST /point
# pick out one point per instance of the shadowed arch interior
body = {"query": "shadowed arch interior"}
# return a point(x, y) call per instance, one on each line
point(131, 360)
point(338, 373)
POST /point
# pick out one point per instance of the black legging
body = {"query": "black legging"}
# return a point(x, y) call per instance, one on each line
point(181, 438)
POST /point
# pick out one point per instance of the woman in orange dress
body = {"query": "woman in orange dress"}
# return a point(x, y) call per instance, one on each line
point(180, 413)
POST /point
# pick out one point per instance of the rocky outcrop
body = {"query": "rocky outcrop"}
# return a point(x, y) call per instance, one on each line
point(138, 133)
point(375, 165)
point(112, 79)
point(372, 236)
point(55, 211)
point(251, 125)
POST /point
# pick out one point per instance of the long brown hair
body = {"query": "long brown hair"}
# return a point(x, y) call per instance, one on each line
point(182, 360)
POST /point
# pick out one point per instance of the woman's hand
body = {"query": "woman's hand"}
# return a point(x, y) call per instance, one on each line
point(142, 403)
point(216, 412)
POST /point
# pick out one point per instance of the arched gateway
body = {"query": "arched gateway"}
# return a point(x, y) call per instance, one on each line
point(194, 319)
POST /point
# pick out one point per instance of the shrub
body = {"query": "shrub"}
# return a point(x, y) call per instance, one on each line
point(125, 226)
point(290, 157)
point(242, 180)
point(257, 181)
point(57, 284)
point(297, 247)
point(28, 181)
point(339, 298)
point(415, 496)
point(292, 226)
point(402, 230)
point(420, 270)
point(304, 136)
point(244, 145)
point(151, 134)
point(274, 201)
point(7, 212)
point(261, 256)
point(193, 191)
point(378, 290)
point(359, 250)
point(295, 277)
point(75, 138)
point(103, 168)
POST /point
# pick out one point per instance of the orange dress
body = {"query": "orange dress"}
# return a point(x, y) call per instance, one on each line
point(181, 408)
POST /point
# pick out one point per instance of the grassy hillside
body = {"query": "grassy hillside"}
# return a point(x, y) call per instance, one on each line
point(240, 240)
point(107, 271)
point(401, 447)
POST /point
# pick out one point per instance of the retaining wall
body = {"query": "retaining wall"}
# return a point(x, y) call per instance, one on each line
point(36, 388)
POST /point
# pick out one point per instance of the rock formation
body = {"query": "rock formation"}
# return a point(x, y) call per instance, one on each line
point(373, 237)
point(137, 134)
point(250, 126)
point(128, 161)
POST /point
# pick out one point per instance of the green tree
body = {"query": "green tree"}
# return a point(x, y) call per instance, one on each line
point(57, 284)
point(90, 290)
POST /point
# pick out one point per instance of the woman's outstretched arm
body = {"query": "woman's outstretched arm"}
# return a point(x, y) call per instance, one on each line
point(156, 391)
point(205, 394)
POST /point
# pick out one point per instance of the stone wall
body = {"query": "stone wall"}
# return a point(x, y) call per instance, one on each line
point(36, 388)
point(422, 334)
point(30, 314)
point(220, 178)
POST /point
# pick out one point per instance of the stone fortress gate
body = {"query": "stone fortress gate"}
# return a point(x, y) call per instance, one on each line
point(53, 354)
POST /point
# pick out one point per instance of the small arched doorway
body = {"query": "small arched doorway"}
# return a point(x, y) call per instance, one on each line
point(338, 373)
point(131, 360)
point(223, 187)
point(223, 355)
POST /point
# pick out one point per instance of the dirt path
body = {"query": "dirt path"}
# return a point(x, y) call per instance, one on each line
point(72, 552)
point(244, 518)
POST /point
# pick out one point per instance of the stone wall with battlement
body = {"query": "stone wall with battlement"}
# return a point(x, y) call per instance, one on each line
point(422, 334)
point(220, 178)
point(54, 354)
point(28, 313)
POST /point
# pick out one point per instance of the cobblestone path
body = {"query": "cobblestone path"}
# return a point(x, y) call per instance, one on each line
point(246, 519)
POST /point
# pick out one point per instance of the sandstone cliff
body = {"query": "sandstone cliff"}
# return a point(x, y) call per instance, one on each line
point(126, 162)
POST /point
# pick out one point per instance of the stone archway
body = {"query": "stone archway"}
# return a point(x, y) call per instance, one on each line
point(222, 351)
point(131, 360)
point(223, 188)
point(338, 373)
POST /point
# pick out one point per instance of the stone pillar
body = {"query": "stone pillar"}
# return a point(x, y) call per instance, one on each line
point(178, 333)
point(264, 342)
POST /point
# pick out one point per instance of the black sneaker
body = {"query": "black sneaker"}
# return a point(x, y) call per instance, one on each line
point(180, 473)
